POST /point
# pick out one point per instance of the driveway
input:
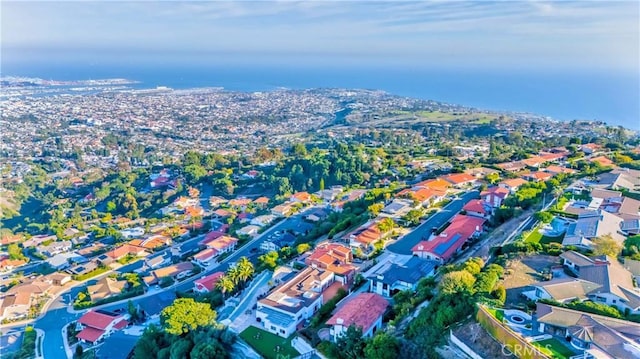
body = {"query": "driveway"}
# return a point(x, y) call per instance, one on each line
point(424, 230)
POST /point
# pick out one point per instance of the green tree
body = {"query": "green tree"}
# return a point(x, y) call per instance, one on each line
point(15, 252)
point(180, 349)
point(185, 315)
point(544, 216)
point(111, 206)
point(350, 344)
point(245, 269)
point(269, 260)
point(303, 247)
point(493, 177)
point(78, 352)
point(225, 284)
point(606, 245)
point(382, 346)
point(457, 282)
point(386, 224)
point(413, 216)
point(234, 274)
point(208, 350)
point(375, 209)
point(299, 150)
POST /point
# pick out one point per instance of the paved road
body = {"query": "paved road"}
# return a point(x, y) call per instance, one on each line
point(58, 314)
point(422, 232)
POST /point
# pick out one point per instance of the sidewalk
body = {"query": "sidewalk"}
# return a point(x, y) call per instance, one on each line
point(67, 350)
point(39, 342)
point(239, 320)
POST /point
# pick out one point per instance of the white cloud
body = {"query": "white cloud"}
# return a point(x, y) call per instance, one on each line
point(563, 32)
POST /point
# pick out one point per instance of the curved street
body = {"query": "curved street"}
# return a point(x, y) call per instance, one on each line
point(60, 312)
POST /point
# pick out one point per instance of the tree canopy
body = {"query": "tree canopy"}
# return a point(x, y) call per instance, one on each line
point(185, 314)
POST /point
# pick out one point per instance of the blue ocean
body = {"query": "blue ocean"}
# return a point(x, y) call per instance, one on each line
point(564, 95)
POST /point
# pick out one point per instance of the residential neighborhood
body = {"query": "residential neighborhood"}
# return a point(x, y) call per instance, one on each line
point(296, 248)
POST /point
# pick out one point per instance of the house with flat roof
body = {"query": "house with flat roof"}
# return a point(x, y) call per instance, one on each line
point(292, 302)
point(398, 207)
point(392, 278)
point(364, 310)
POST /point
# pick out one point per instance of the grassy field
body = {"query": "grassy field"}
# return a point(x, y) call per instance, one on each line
point(267, 344)
point(554, 348)
point(438, 116)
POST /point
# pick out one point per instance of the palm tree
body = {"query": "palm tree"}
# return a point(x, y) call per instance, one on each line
point(245, 269)
point(225, 284)
point(386, 225)
point(234, 274)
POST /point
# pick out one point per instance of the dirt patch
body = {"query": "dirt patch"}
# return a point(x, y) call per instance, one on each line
point(476, 338)
point(523, 271)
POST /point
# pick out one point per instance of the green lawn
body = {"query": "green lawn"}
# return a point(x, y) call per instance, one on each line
point(554, 348)
point(497, 313)
point(265, 343)
point(536, 237)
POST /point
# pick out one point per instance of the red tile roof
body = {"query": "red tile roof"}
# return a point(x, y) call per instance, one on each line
point(121, 324)
point(211, 236)
point(452, 238)
point(476, 205)
point(302, 196)
point(362, 311)
point(437, 183)
point(602, 160)
point(496, 191)
point(514, 182)
point(368, 235)
point(90, 334)
point(540, 176)
point(208, 282)
point(334, 257)
point(205, 254)
point(459, 178)
point(123, 250)
point(97, 320)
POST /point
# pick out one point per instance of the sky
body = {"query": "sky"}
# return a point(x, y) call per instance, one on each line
point(558, 35)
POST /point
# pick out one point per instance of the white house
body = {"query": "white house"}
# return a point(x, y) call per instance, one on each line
point(293, 302)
